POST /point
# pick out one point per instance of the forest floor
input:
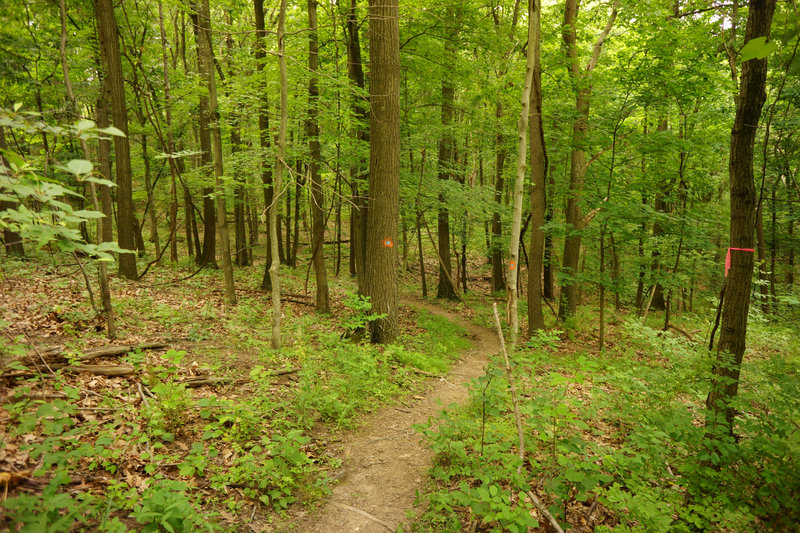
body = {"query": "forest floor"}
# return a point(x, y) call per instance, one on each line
point(386, 463)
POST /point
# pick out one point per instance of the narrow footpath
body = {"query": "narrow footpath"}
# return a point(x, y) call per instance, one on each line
point(385, 462)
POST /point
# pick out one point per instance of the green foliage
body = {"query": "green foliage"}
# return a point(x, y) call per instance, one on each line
point(165, 507)
point(624, 428)
point(43, 213)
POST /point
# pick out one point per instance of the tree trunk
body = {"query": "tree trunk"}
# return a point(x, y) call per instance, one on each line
point(498, 272)
point(11, 239)
point(538, 176)
point(312, 130)
point(358, 211)
point(730, 350)
point(445, 287)
point(209, 255)
point(109, 46)
point(384, 168)
point(280, 163)
point(173, 163)
point(207, 71)
point(264, 133)
point(572, 243)
point(519, 184)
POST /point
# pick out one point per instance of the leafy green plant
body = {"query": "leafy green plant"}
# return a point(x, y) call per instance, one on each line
point(164, 506)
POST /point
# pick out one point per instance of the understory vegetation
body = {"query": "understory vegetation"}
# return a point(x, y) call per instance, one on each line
point(214, 431)
point(616, 440)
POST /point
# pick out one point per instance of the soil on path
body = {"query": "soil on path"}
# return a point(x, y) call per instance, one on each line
point(384, 460)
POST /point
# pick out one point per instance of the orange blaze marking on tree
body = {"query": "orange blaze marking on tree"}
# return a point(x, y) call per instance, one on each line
point(387, 243)
point(728, 257)
point(512, 265)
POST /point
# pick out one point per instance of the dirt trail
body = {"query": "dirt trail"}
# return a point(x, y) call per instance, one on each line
point(384, 459)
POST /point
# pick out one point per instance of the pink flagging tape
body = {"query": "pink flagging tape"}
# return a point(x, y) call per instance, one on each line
point(728, 257)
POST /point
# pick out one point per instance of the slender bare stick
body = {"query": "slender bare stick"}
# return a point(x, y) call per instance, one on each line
point(542, 509)
point(517, 416)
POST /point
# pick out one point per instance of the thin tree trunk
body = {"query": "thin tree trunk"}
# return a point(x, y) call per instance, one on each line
point(538, 156)
point(264, 136)
point(280, 163)
point(207, 71)
point(519, 184)
point(730, 350)
point(312, 130)
point(11, 239)
point(102, 271)
point(496, 253)
point(572, 243)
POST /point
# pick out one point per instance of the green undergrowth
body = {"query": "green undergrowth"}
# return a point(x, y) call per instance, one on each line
point(616, 439)
point(148, 453)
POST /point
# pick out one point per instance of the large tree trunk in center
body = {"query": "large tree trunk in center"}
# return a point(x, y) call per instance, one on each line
point(730, 350)
point(384, 168)
point(109, 46)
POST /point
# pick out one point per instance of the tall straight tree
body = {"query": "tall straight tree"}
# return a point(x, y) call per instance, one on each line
point(384, 167)
point(275, 342)
point(581, 81)
point(109, 51)
point(358, 210)
point(730, 350)
point(208, 257)
point(445, 288)
point(263, 131)
point(312, 130)
point(538, 175)
point(207, 71)
point(519, 184)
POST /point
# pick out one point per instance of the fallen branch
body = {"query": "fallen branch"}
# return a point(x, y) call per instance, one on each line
point(200, 381)
point(92, 353)
point(542, 509)
point(681, 330)
point(100, 370)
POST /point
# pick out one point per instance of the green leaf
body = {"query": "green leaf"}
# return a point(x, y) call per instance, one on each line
point(757, 48)
point(80, 166)
point(111, 130)
point(86, 125)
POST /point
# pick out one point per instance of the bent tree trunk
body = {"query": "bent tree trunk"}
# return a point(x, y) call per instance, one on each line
point(730, 350)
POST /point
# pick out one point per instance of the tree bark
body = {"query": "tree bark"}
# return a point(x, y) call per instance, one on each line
point(11, 239)
point(209, 255)
point(730, 350)
point(207, 71)
point(519, 184)
point(275, 342)
point(538, 176)
point(264, 133)
point(312, 130)
point(445, 288)
point(109, 46)
point(384, 168)
point(496, 253)
point(572, 243)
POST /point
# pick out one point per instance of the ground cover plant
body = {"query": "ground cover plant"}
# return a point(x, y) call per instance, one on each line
point(616, 440)
point(207, 428)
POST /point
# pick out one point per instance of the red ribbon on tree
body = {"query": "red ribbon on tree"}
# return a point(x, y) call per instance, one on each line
point(728, 257)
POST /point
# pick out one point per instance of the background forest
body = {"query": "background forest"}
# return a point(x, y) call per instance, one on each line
point(226, 191)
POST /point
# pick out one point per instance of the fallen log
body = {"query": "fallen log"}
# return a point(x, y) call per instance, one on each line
point(90, 353)
point(200, 381)
point(100, 370)
point(682, 331)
